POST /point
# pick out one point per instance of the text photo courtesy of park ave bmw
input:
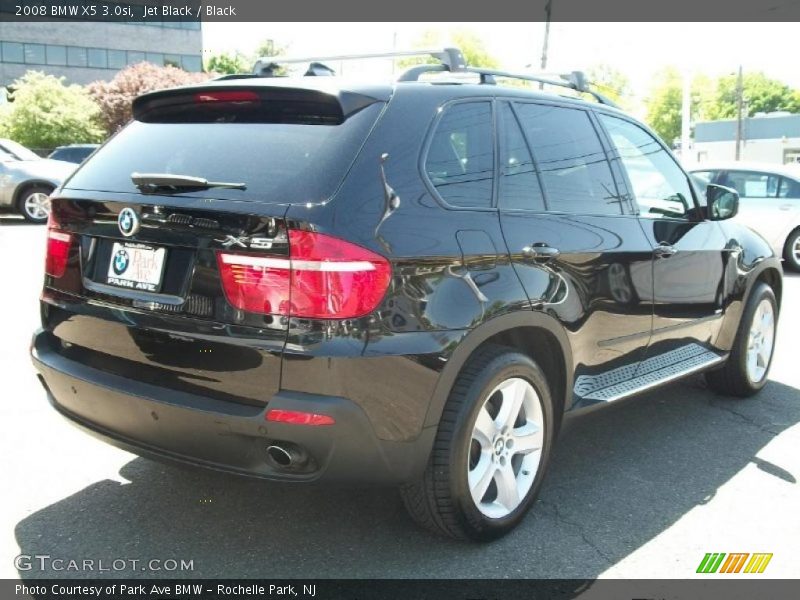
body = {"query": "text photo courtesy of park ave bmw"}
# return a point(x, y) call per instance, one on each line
point(393, 309)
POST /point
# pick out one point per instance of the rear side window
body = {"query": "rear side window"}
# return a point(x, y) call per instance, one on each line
point(751, 184)
point(460, 160)
point(280, 159)
point(572, 163)
point(789, 188)
point(519, 185)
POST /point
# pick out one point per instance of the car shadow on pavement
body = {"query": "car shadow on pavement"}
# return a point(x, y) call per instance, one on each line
point(619, 477)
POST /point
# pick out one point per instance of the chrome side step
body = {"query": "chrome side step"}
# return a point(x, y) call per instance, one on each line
point(626, 381)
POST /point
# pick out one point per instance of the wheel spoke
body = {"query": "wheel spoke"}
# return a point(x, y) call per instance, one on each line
point(485, 429)
point(527, 439)
point(507, 491)
point(513, 395)
point(481, 477)
point(752, 364)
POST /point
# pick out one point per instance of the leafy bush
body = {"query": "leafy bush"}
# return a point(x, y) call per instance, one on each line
point(115, 97)
point(45, 113)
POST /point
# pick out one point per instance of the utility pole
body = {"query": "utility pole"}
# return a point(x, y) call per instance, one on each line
point(739, 104)
point(686, 114)
point(547, 10)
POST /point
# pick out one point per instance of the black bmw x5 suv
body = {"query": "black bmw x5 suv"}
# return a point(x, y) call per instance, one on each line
point(410, 284)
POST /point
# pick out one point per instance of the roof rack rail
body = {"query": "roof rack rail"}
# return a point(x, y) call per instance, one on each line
point(576, 80)
point(451, 59)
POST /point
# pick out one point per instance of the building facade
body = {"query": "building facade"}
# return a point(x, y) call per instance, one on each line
point(83, 51)
point(771, 138)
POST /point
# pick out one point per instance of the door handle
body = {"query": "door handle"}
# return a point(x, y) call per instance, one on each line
point(664, 250)
point(785, 207)
point(540, 252)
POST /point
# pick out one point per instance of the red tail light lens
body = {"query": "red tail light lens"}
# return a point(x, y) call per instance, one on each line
point(324, 278)
point(255, 283)
point(226, 96)
point(296, 417)
point(58, 246)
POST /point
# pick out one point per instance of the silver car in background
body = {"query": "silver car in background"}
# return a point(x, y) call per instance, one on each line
point(27, 180)
point(769, 201)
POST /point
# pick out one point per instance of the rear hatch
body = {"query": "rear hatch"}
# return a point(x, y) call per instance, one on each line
point(161, 277)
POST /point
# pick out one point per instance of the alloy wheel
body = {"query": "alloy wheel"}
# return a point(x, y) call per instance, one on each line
point(37, 206)
point(760, 341)
point(505, 448)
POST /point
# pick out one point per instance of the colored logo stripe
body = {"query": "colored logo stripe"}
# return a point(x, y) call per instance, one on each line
point(733, 564)
point(758, 563)
point(710, 562)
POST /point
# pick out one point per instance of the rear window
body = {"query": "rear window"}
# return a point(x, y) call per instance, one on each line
point(280, 162)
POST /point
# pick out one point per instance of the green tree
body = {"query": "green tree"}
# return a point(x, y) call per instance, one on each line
point(761, 94)
point(227, 64)
point(45, 113)
point(268, 48)
point(664, 104)
point(610, 82)
point(470, 44)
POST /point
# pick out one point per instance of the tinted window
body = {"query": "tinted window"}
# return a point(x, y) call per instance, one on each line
point(97, 58)
point(570, 159)
point(76, 57)
point(519, 185)
point(34, 54)
point(192, 63)
point(751, 184)
point(460, 160)
point(56, 55)
point(13, 52)
point(659, 185)
point(116, 59)
point(278, 161)
point(789, 188)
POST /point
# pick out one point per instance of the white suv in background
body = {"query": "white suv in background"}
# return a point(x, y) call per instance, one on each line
point(769, 201)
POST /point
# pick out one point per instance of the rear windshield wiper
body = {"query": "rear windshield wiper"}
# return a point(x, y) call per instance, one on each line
point(159, 182)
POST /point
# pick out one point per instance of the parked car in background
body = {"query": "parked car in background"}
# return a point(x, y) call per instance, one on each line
point(74, 153)
point(769, 200)
point(27, 180)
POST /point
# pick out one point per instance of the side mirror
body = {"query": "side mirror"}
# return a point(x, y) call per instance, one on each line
point(723, 202)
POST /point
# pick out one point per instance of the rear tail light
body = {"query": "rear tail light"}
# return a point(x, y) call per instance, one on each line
point(58, 247)
point(297, 417)
point(323, 278)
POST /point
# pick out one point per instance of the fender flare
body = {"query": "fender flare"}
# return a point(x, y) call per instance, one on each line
point(468, 345)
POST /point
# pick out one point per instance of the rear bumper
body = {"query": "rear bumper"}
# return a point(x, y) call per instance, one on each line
point(149, 420)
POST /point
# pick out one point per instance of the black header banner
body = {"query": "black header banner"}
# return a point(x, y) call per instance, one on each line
point(409, 10)
point(710, 588)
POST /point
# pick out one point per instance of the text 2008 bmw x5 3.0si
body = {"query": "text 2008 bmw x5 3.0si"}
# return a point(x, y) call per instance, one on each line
point(408, 284)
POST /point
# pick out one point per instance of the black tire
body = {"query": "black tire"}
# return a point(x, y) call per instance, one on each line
point(733, 379)
point(441, 500)
point(27, 193)
point(789, 256)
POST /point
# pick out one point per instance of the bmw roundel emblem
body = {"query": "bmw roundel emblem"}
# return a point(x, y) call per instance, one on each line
point(128, 222)
point(121, 261)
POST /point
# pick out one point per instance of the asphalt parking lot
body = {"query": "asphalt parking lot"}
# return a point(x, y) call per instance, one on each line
point(641, 490)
